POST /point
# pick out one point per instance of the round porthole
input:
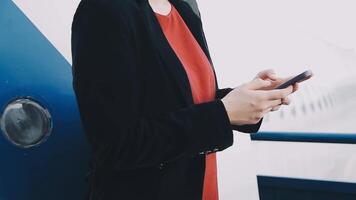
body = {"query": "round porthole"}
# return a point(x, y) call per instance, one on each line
point(26, 123)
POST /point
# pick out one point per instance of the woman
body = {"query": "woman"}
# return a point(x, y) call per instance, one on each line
point(149, 100)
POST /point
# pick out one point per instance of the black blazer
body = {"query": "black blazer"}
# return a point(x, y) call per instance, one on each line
point(148, 138)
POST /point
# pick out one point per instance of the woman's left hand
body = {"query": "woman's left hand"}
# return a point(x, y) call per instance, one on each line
point(270, 75)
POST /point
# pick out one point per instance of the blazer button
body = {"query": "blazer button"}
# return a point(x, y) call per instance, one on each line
point(161, 166)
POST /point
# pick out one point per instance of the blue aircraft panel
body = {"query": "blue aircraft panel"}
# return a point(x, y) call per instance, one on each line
point(30, 66)
point(281, 188)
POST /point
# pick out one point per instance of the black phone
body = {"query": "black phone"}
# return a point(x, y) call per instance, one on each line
point(297, 79)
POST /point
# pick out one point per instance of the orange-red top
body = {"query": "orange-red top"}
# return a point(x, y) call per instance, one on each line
point(201, 79)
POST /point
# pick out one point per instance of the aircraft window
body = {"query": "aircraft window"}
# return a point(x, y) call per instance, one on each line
point(294, 112)
point(304, 109)
point(320, 105)
point(331, 100)
point(325, 100)
point(312, 107)
point(281, 114)
point(25, 123)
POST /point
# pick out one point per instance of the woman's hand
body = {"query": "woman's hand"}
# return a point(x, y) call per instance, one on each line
point(248, 103)
point(270, 75)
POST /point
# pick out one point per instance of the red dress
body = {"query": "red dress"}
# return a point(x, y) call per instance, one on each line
point(201, 79)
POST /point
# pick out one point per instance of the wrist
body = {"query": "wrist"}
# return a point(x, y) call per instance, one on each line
point(226, 109)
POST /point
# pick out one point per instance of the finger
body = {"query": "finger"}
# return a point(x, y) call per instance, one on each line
point(274, 103)
point(266, 111)
point(267, 74)
point(278, 93)
point(275, 108)
point(286, 101)
point(258, 83)
point(295, 87)
point(280, 80)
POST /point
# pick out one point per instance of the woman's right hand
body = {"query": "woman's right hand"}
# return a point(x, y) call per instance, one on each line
point(247, 104)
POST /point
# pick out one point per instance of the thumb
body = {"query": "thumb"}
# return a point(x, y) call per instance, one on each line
point(267, 74)
point(271, 75)
point(258, 83)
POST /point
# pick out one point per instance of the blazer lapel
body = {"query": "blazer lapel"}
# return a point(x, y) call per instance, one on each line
point(164, 51)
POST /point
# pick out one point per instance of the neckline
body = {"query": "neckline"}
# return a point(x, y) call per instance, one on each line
point(167, 15)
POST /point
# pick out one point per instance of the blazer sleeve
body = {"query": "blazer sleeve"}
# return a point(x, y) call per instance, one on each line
point(253, 128)
point(110, 110)
point(221, 92)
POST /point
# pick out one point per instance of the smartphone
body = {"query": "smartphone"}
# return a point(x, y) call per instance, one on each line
point(297, 79)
